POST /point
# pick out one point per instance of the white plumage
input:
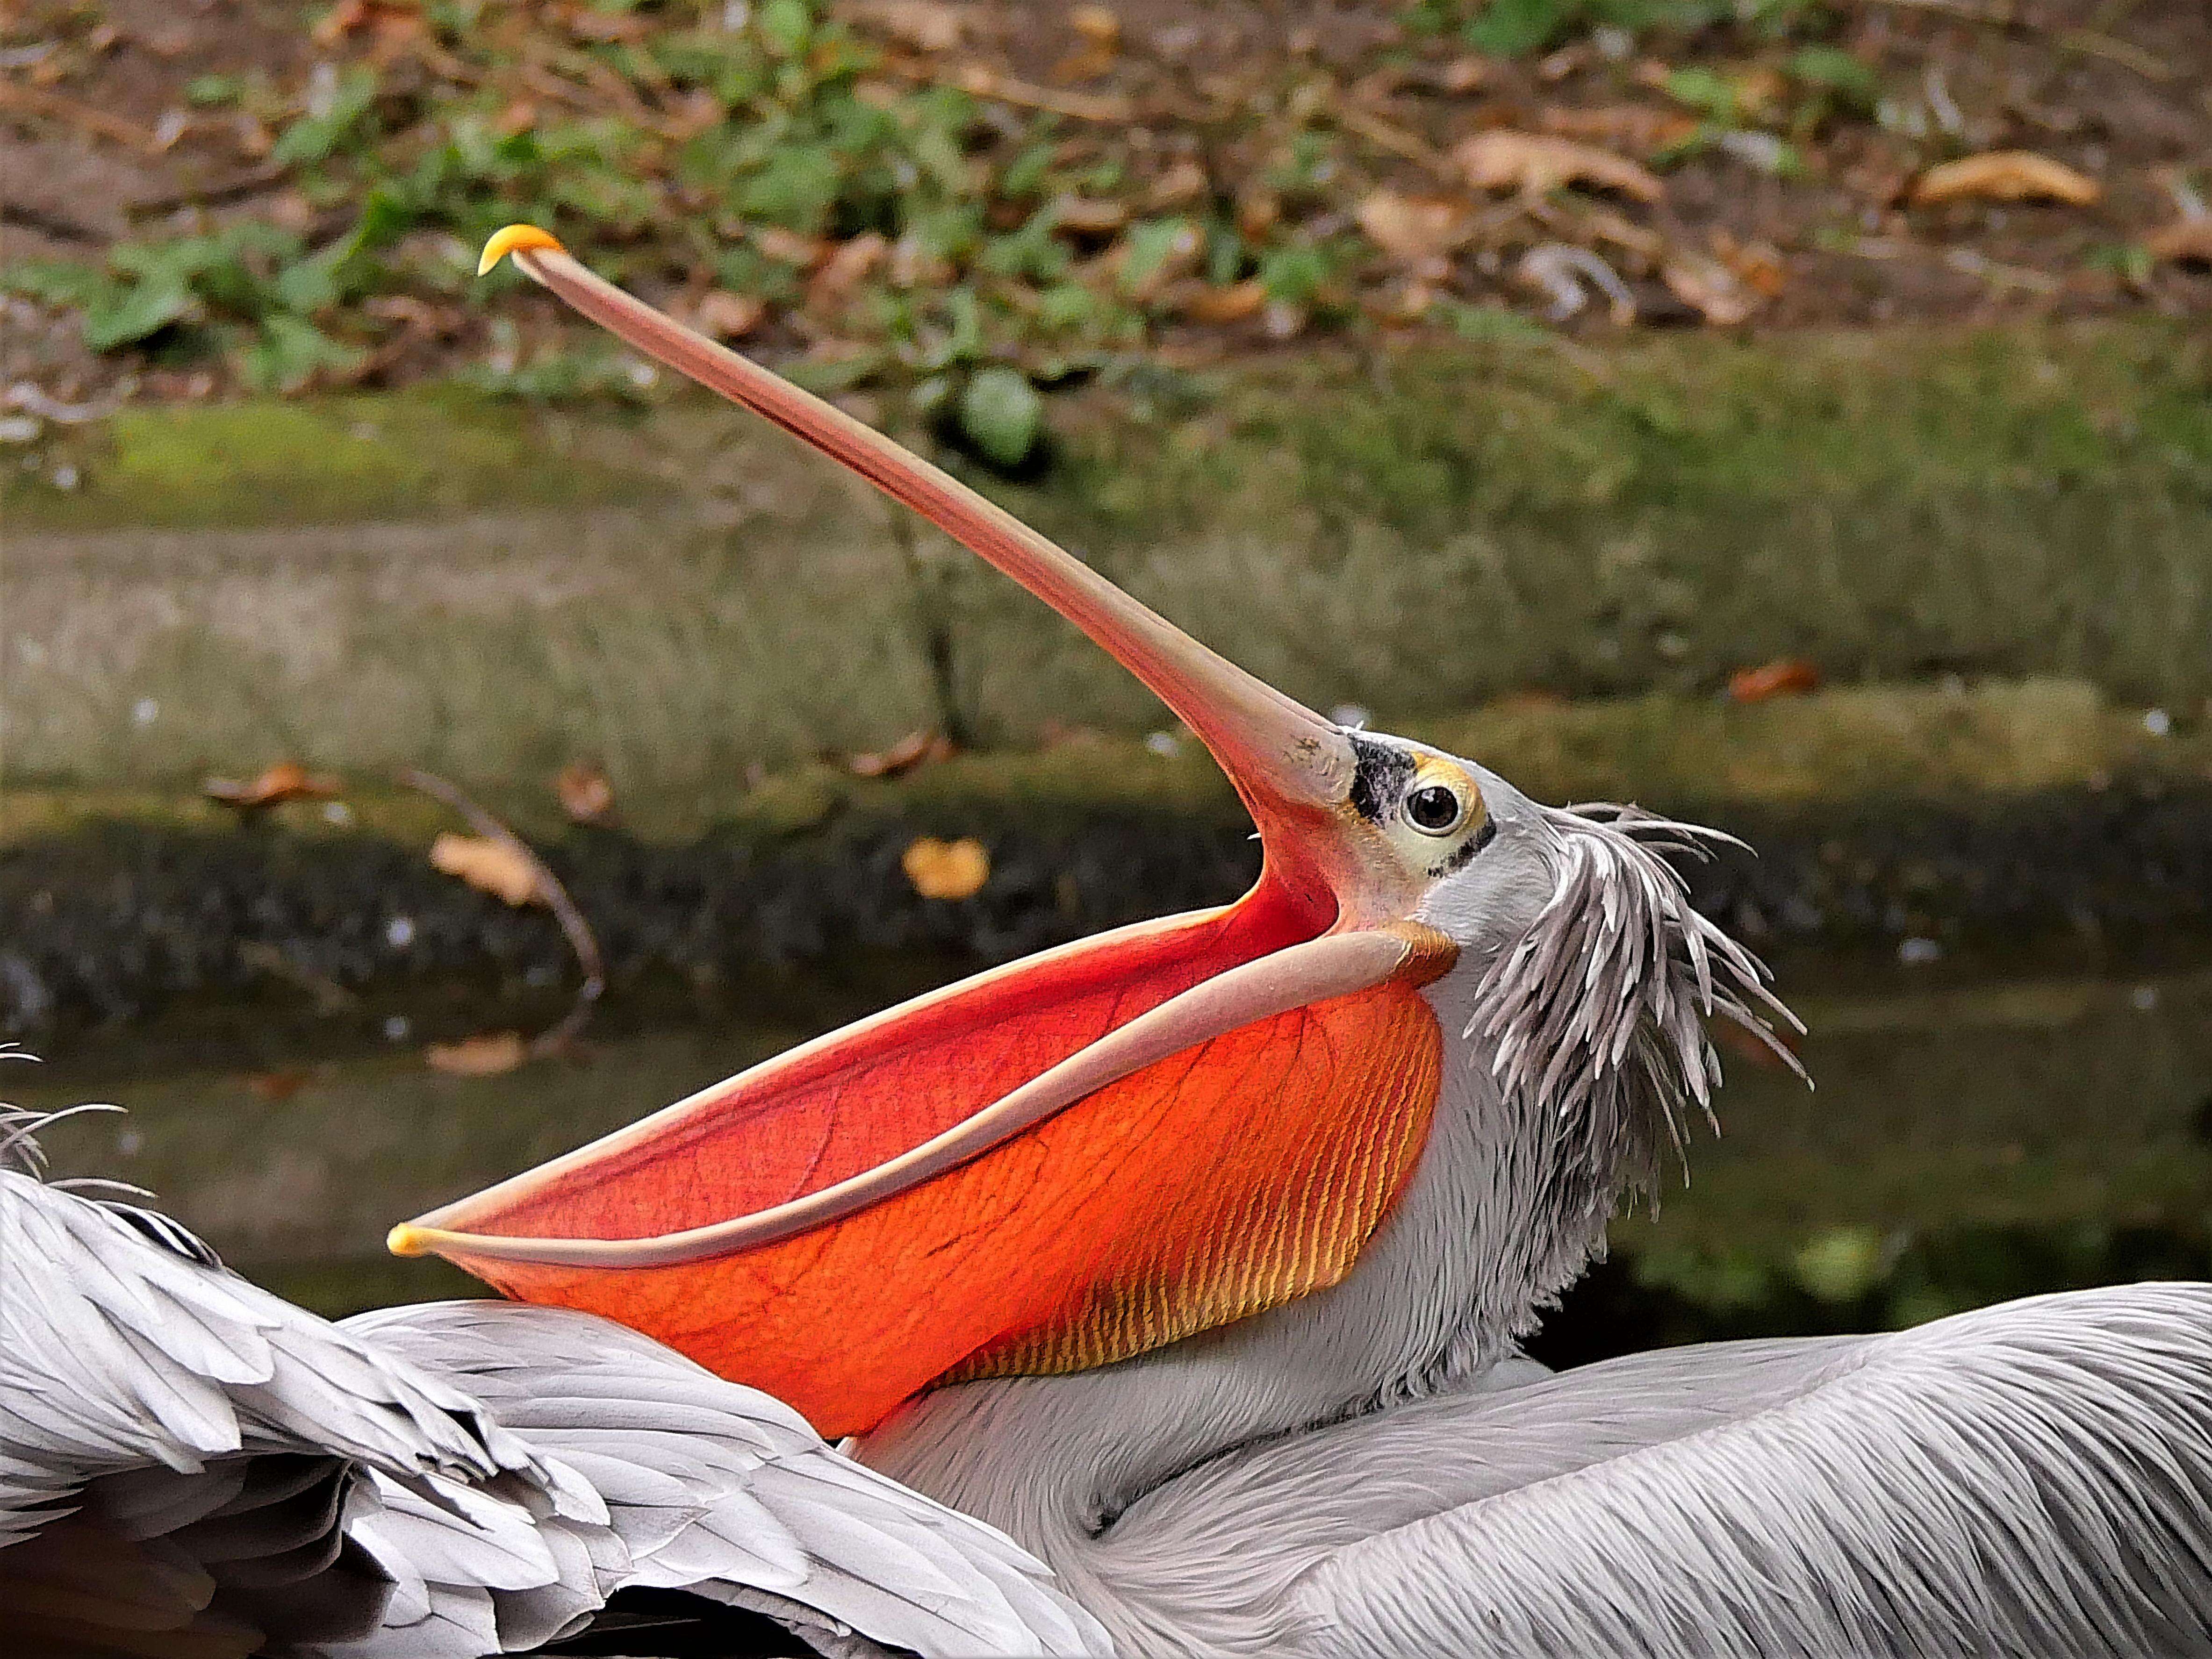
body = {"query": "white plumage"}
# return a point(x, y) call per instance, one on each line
point(191, 1466)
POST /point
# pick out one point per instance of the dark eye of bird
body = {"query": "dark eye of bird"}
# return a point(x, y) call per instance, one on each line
point(1433, 810)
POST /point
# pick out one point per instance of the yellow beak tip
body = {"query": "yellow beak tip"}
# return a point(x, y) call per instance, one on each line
point(514, 239)
point(408, 1239)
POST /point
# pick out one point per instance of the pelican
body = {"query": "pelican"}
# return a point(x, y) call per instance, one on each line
point(1194, 1259)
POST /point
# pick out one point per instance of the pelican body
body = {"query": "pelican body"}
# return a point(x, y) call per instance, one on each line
point(1194, 1257)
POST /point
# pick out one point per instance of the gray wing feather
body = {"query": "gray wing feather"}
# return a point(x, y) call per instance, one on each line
point(2030, 1478)
point(184, 1452)
point(714, 1488)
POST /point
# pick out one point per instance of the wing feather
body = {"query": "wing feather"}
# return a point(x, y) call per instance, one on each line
point(2033, 1478)
point(715, 1488)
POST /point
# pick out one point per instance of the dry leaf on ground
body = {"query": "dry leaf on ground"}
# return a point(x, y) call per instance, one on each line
point(1620, 126)
point(946, 869)
point(288, 780)
point(1789, 676)
point(487, 865)
point(924, 25)
point(586, 795)
point(1233, 304)
point(1708, 287)
point(487, 1055)
point(1760, 264)
point(854, 263)
point(2185, 242)
point(2006, 176)
point(916, 748)
point(1415, 230)
point(1099, 25)
point(789, 248)
point(1082, 216)
point(1184, 182)
point(721, 315)
point(1538, 162)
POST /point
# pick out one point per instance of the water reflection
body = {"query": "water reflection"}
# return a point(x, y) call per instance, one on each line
point(1974, 1140)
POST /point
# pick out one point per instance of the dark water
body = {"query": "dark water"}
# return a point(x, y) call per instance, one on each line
point(1977, 1133)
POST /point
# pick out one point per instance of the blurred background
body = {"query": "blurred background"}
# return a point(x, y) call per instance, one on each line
point(430, 738)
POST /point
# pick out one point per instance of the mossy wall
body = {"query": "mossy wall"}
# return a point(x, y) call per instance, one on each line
point(492, 592)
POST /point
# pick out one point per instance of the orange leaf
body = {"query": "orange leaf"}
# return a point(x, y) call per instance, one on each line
point(288, 780)
point(1537, 163)
point(1230, 305)
point(586, 795)
point(1709, 288)
point(1099, 25)
point(487, 865)
point(487, 1055)
point(2006, 176)
point(1789, 676)
point(916, 748)
point(946, 869)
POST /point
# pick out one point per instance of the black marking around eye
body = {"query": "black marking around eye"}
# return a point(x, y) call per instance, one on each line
point(1473, 844)
point(1379, 778)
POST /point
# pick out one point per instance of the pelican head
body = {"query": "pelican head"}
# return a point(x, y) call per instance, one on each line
point(1160, 1130)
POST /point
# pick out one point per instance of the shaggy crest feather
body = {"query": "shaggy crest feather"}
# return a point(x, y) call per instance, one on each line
point(1597, 1014)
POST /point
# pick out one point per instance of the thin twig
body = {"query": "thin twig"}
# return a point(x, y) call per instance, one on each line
point(23, 99)
point(2000, 14)
point(556, 896)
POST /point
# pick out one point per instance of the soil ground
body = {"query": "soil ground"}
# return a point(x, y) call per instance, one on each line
point(1156, 181)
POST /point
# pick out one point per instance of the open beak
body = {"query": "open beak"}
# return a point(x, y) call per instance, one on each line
point(1054, 1165)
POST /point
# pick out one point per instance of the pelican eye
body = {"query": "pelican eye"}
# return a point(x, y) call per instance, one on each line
point(1434, 809)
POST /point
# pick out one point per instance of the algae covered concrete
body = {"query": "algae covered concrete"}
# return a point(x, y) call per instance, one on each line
point(491, 591)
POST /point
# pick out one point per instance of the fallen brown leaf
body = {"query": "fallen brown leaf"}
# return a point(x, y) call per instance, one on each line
point(1789, 676)
point(1083, 216)
point(916, 748)
point(853, 264)
point(490, 1054)
point(279, 1085)
point(924, 25)
point(1537, 163)
point(2006, 176)
point(1758, 264)
point(1184, 182)
point(1230, 305)
point(1414, 230)
point(1622, 127)
point(487, 865)
point(789, 248)
point(1462, 74)
point(721, 315)
point(1099, 25)
point(1257, 210)
point(586, 795)
point(1708, 287)
point(288, 780)
point(2185, 242)
point(946, 869)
